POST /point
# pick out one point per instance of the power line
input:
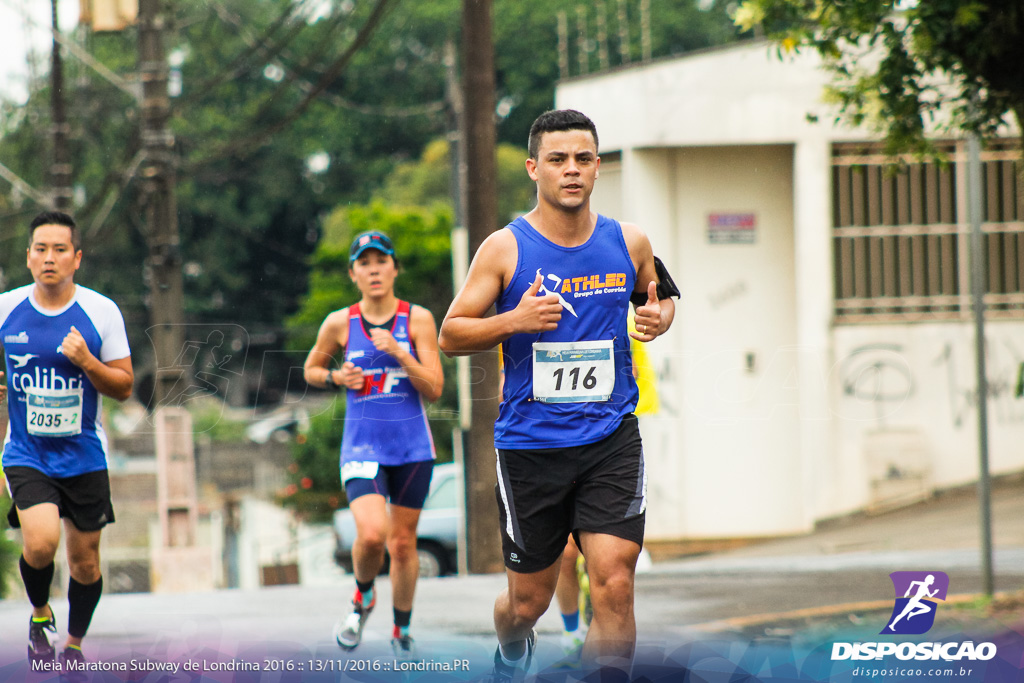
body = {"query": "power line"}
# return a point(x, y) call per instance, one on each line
point(424, 109)
point(79, 52)
point(247, 145)
point(22, 186)
point(259, 44)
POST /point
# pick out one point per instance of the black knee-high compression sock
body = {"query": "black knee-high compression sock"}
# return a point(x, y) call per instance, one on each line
point(82, 601)
point(37, 582)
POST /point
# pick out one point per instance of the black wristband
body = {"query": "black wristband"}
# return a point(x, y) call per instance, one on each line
point(329, 382)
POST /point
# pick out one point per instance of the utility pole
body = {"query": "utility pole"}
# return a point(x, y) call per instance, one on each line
point(481, 201)
point(163, 267)
point(178, 563)
point(60, 168)
point(975, 207)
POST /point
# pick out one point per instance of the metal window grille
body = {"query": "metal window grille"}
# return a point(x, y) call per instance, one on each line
point(901, 234)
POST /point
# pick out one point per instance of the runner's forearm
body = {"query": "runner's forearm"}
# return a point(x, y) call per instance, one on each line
point(115, 382)
point(463, 336)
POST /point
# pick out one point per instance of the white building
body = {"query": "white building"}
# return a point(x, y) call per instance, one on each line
point(822, 357)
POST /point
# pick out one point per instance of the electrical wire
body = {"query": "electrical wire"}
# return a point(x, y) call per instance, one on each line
point(247, 145)
point(237, 67)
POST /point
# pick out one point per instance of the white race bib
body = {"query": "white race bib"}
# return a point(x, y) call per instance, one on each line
point(53, 412)
point(360, 469)
point(573, 372)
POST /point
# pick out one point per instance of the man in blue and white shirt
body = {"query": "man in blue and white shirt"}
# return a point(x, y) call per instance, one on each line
point(64, 346)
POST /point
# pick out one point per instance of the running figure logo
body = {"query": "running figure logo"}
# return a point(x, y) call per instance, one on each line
point(544, 291)
point(914, 613)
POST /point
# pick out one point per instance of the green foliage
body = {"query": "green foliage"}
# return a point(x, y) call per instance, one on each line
point(422, 238)
point(9, 551)
point(526, 46)
point(428, 180)
point(209, 420)
point(315, 489)
point(258, 164)
point(897, 69)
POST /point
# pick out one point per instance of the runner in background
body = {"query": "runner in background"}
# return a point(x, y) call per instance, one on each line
point(391, 364)
point(65, 346)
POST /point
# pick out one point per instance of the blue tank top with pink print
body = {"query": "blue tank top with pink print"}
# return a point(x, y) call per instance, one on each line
point(385, 420)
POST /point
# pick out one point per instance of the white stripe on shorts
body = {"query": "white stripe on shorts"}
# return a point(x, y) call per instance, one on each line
point(504, 497)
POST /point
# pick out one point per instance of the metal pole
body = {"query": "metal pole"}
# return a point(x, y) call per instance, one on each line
point(60, 169)
point(563, 45)
point(978, 294)
point(645, 29)
point(460, 264)
point(582, 54)
point(602, 35)
point(166, 289)
point(623, 33)
point(481, 199)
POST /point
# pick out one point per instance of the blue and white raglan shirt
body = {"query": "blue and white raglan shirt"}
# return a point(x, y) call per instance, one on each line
point(54, 410)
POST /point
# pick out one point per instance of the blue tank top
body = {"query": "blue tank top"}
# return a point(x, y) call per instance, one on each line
point(385, 421)
point(594, 282)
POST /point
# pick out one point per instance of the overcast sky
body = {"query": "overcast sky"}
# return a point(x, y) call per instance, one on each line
point(16, 36)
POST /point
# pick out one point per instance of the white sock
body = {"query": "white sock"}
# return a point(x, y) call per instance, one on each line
point(510, 662)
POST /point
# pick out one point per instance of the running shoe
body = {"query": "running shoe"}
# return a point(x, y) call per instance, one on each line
point(572, 642)
point(505, 673)
point(348, 633)
point(586, 608)
point(41, 637)
point(404, 647)
point(572, 649)
point(72, 666)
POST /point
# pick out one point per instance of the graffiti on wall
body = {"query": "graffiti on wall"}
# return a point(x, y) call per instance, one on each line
point(877, 374)
point(880, 375)
point(1002, 358)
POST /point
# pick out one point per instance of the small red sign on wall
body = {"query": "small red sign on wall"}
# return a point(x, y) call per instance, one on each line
point(732, 228)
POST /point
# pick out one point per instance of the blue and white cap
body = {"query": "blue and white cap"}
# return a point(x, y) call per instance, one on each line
point(372, 239)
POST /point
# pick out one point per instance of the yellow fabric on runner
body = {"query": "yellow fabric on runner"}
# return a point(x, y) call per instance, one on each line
point(646, 379)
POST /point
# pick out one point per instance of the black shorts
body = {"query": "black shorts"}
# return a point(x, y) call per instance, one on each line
point(405, 485)
point(546, 493)
point(84, 499)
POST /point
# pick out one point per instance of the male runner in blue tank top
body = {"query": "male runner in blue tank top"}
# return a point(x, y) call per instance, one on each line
point(387, 455)
point(569, 452)
point(64, 346)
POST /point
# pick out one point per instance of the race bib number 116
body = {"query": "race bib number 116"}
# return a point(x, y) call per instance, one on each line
point(573, 372)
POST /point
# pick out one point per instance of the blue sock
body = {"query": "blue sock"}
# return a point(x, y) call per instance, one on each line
point(571, 622)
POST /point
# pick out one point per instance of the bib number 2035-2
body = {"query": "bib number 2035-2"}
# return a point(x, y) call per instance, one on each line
point(53, 412)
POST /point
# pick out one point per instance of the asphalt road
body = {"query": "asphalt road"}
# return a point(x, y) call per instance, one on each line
point(751, 594)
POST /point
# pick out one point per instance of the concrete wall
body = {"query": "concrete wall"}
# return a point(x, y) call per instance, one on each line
point(732, 343)
point(773, 418)
point(912, 387)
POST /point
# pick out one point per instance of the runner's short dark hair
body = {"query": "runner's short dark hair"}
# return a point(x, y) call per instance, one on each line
point(55, 218)
point(558, 120)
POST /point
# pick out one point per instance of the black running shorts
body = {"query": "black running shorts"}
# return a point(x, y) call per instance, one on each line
point(84, 499)
point(546, 493)
point(405, 485)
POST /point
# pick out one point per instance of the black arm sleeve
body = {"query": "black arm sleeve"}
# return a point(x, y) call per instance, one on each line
point(666, 285)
